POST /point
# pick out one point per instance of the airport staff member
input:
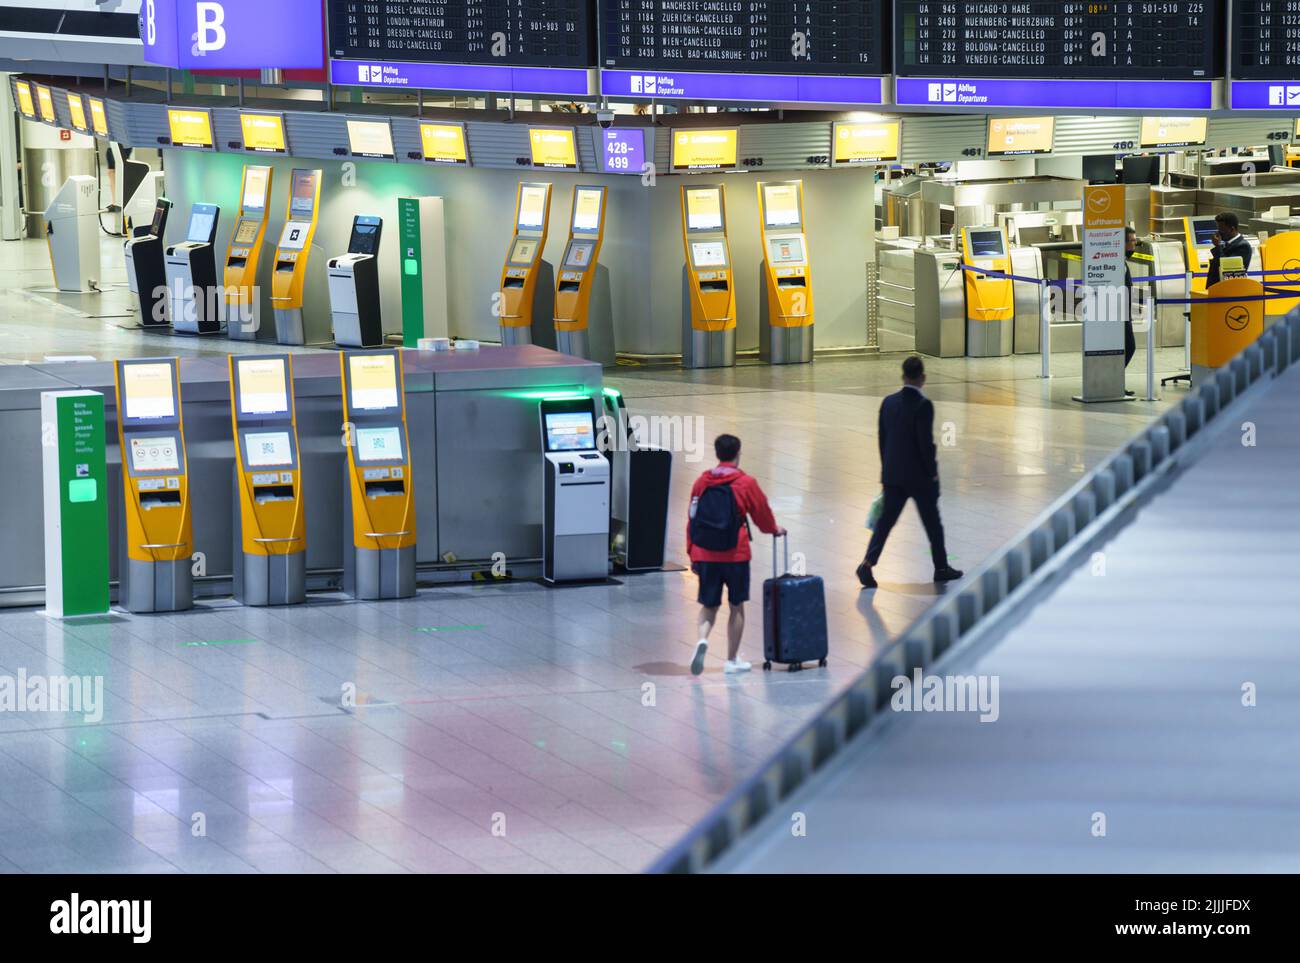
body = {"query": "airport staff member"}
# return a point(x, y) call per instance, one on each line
point(723, 500)
point(909, 469)
point(1130, 342)
point(1229, 242)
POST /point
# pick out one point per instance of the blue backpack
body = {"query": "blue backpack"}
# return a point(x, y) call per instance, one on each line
point(715, 524)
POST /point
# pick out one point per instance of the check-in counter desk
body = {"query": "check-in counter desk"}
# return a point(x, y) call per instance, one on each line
point(472, 419)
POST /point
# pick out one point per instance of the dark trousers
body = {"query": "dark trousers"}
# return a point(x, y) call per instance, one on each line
point(927, 504)
point(1130, 342)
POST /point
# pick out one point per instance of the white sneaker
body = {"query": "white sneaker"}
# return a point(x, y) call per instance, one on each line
point(701, 650)
point(737, 665)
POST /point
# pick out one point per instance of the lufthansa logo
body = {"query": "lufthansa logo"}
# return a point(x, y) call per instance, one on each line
point(1292, 268)
point(1099, 202)
point(1237, 317)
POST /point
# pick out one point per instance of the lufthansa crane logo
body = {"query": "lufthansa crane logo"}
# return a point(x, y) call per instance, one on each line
point(1237, 317)
point(1292, 268)
point(1099, 202)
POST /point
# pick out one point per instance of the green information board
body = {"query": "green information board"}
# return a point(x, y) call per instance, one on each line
point(408, 219)
point(76, 503)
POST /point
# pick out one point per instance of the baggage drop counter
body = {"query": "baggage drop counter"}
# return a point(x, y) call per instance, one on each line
point(475, 456)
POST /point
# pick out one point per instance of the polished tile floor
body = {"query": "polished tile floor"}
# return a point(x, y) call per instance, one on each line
point(498, 728)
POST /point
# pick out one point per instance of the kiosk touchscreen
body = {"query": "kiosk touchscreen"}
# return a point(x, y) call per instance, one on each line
point(708, 288)
point(584, 325)
point(354, 287)
point(379, 544)
point(192, 274)
point(1199, 234)
point(575, 524)
point(270, 535)
point(244, 255)
point(786, 326)
point(72, 232)
point(158, 539)
point(294, 322)
point(990, 301)
point(146, 269)
point(527, 285)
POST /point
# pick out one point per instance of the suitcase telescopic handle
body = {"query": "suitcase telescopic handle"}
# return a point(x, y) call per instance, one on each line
point(784, 540)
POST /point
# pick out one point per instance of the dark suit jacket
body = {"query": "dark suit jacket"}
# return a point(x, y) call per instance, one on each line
point(1237, 247)
point(908, 456)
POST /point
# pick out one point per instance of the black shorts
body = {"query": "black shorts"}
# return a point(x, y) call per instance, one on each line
point(714, 575)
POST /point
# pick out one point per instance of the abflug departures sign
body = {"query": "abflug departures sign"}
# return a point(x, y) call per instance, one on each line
point(233, 34)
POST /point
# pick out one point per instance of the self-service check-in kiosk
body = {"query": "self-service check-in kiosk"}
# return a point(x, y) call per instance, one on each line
point(990, 301)
point(640, 482)
point(379, 544)
point(708, 289)
point(293, 324)
point(157, 539)
point(72, 232)
point(575, 524)
point(1198, 240)
point(786, 325)
point(354, 287)
point(526, 302)
point(146, 269)
point(270, 534)
point(244, 256)
point(584, 322)
point(191, 268)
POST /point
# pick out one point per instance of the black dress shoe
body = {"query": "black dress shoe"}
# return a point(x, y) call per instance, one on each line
point(947, 574)
point(865, 576)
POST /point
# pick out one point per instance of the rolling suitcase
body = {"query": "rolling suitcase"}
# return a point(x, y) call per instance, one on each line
point(794, 618)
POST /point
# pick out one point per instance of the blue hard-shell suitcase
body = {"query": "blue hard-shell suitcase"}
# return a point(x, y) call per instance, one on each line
point(794, 618)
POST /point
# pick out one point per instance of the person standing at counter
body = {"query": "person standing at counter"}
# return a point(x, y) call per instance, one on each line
point(1229, 242)
point(1130, 342)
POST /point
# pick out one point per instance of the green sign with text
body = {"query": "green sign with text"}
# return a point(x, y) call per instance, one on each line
point(76, 503)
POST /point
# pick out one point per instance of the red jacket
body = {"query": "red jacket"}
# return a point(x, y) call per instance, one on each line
point(752, 503)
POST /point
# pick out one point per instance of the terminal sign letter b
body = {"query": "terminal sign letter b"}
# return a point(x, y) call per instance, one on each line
point(150, 22)
point(212, 30)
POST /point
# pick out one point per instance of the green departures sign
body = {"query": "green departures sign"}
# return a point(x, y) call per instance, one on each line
point(408, 214)
point(76, 503)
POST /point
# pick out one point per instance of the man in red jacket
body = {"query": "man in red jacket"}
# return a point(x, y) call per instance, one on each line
point(723, 500)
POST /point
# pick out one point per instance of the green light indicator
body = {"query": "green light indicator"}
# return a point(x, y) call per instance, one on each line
point(83, 490)
point(411, 266)
point(613, 393)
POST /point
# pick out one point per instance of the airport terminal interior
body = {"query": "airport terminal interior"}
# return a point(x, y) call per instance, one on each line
point(351, 409)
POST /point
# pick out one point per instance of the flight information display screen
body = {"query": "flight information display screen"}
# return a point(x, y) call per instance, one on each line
point(1096, 39)
point(538, 33)
point(745, 36)
point(1266, 39)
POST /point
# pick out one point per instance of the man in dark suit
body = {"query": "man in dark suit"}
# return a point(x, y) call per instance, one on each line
point(909, 469)
point(1229, 242)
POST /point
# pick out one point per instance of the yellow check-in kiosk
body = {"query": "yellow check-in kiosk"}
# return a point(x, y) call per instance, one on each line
point(1280, 252)
point(1198, 242)
point(1222, 329)
point(584, 322)
point(297, 320)
point(270, 535)
point(379, 544)
point(158, 533)
point(526, 303)
point(990, 301)
point(244, 255)
point(708, 282)
point(785, 329)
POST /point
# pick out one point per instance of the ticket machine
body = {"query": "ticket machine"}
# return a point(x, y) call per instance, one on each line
point(641, 479)
point(584, 314)
point(293, 325)
point(708, 288)
point(146, 270)
point(575, 519)
point(379, 544)
point(785, 327)
point(72, 232)
point(1198, 239)
point(192, 275)
point(526, 302)
point(270, 534)
point(354, 287)
point(157, 540)
point(990, 301)
point(244, 256)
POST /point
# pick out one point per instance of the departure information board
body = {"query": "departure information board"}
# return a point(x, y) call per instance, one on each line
point(1266, 39)
point(540, 33)
point(745, 36)
point(1059, 39)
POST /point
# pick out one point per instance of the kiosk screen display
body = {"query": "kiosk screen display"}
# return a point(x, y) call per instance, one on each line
point(371, 138)
point(570, 431)
point(147, 389)
point(262, 387)
point(155, 454)
point(255, 184)
point(268, 449)
point(704, 209)
point(379, 444)
point(363, 239)
point(986, 244)
point(586, 209)
point(708, 254)
point(781, 205)
point(373, 380)
point(1205, 232)
point(785, 250)
point(246, 233)
point(524, 251)
point(201, 226)
point(303, 194)
point(532, 206)
point(294, 236)
point(579, 254)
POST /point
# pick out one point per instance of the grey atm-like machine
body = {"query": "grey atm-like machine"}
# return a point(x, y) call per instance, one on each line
point(196, 305)
point(576, 499)
point(146, 270)
point(642, 480)
point(354, 287)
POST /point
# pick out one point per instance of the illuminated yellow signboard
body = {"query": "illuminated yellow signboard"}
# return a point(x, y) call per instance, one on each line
point(77, 110)
point(1173, 132)
point(371, 138)
point(263, 133)
point(98, 117)
point(190, 128)
point(865, 143)
point(553, 148)
point(1021, 135)
point(46, 100)
point(704, 150)
point(25, 102)
point(444, 143)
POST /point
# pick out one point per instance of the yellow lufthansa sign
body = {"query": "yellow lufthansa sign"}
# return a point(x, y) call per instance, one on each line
point(46, 101)
point(25, 102)
point(98, 117)
point(553, 147)
point(866, 143)
point(704, 150)
point(444, 143)
point(263, 133)
point(1172, 132)
point(1103, 207)
point(1021, 135)
point(77, 111)
point(190, 128)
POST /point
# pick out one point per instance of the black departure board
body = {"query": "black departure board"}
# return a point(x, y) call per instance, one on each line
point(745, 36)
point(1266, 39)
point(1119, 39)
point(537, 33)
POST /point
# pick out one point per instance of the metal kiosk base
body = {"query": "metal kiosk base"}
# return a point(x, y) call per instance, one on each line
point(157, 586)
point(264, 579)
point(704, 349)
point(374, 574)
